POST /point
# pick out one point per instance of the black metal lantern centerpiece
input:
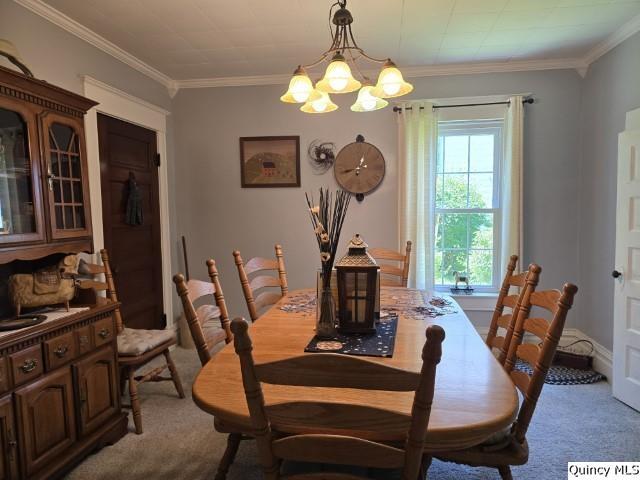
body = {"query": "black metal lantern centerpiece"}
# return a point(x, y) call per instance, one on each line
point(358, 289)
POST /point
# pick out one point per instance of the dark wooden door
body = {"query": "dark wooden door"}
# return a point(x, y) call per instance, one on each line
point(47, 420)
point(97, 389)
point(8, 451)
point(126, 151)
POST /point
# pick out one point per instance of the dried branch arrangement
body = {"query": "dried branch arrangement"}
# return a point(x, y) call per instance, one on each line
point(327, 218)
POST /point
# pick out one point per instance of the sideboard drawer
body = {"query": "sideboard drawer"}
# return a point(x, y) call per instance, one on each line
point(60, 350)
point(83, 339)
point(103, 332)
point(26, 364)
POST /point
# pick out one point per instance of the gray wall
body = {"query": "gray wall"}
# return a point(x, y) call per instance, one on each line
point(218, 216)
point(610, 89)
point(60, 58)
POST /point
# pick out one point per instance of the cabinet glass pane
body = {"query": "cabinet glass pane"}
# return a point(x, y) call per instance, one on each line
point(17, 214)
point(67, 182)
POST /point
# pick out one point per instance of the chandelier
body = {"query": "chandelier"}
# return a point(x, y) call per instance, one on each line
point(338, 77)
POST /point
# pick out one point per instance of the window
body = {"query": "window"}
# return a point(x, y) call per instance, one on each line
point(467, 205)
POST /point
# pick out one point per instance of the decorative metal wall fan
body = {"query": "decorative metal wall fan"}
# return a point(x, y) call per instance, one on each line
point(321, 155)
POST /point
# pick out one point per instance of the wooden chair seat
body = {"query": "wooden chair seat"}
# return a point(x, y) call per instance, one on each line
point(512, 453)
point(133, 341)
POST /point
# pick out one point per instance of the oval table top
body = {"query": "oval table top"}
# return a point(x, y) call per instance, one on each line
point(474, 397)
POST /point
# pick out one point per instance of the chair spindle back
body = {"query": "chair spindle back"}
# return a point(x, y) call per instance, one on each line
point(190, 292)
point(557, 303)
point(388, 270)
point(514, 302)
point(329, 431)
point(97, 285)
point(254, 268)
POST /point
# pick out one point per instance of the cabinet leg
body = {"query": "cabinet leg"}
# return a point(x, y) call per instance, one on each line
point(233, 442)
point(424, 467)
point(174, 373)
point(135, 403)
point(122, 377)
point(505, 473)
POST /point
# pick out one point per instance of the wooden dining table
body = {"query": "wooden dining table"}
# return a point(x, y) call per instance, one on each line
point(474, 397)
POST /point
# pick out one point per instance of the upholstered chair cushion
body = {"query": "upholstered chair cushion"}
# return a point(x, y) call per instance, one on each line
point(133, 341)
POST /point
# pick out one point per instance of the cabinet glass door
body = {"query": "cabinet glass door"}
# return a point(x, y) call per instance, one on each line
point(66, 179)
point(20, 211)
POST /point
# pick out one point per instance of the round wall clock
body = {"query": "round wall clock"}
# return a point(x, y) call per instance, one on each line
point(359, 168)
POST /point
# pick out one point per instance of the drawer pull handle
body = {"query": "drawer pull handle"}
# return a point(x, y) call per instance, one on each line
point(84, 340)
point(104, 333)
point(29, 365)
point(61, 351)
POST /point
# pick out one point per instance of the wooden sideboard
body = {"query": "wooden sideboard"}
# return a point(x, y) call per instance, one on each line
point(59, 394)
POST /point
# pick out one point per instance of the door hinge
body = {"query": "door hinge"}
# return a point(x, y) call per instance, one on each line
point(157, 159)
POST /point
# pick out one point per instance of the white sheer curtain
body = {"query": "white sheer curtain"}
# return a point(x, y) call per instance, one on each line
point(417, 144)
point(511, 182)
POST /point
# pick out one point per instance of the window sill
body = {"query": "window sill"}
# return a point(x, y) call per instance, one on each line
point(476, 302)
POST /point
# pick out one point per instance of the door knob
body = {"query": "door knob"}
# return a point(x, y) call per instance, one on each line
point(616, 274)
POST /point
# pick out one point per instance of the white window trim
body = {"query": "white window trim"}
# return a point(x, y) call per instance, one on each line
point(496, 126)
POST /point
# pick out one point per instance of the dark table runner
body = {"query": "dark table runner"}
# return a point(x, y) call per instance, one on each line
point(379, 344)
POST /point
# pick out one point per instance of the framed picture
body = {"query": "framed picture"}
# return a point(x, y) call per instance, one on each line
point(270, 162)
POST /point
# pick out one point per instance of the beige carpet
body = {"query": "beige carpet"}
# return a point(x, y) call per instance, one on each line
point(574, 423)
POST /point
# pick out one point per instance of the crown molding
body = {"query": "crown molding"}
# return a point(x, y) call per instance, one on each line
point(616, 38)
point(240, 81)
point(581, 65)
point(495, 67)
point(66, 23)
point(409, 72)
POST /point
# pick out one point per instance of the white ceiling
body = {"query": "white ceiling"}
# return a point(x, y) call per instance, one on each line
point(191, 39)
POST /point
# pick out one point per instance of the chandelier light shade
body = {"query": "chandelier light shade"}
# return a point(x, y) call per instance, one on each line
point(321, 104)
point(390, 82)
point(300, 87)
point(367, 102)
point(338, 78)
point(343, 57)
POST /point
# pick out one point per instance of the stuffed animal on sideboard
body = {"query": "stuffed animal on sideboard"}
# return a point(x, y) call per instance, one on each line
point(47, 286)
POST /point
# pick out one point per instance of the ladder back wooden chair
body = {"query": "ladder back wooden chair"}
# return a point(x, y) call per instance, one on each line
point(136, 347)
point(206, 336)
point(208, 324)
point(392, 275)
point(512, 448)
point(514, 302)
point(329, 431)
point(255, 268)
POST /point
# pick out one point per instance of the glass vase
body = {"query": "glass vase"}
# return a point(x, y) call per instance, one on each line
point(326, 317)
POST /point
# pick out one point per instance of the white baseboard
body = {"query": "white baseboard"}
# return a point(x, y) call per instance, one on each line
point(602, 357)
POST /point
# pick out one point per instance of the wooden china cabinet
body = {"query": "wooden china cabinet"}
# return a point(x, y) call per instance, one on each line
point(44, 187)
point(59, 389)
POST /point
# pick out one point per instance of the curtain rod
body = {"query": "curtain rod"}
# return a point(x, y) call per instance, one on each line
point(525, 101)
